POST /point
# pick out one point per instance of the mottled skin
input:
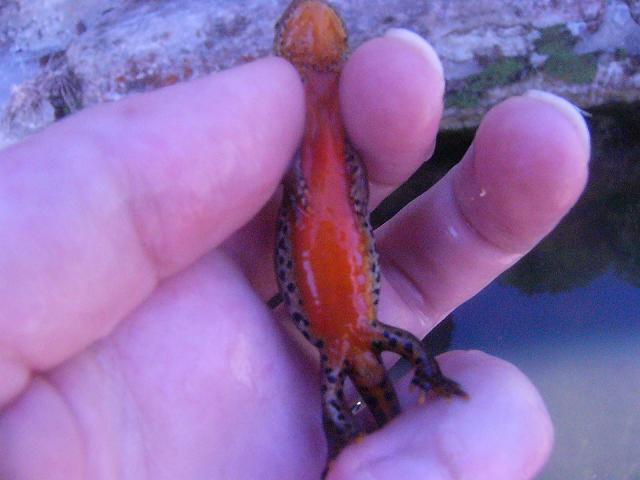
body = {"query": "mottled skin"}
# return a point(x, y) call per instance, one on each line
point(326, 262)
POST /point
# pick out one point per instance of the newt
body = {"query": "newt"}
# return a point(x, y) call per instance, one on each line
point(325, 260)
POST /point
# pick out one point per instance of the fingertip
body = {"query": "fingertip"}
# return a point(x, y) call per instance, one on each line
point(424, 48)
point(525, 170)
point(503, 432)
point(572, 113)
point(391, 97)
point(504, 413)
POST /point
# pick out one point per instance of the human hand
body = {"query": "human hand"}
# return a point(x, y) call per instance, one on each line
point(128, 351)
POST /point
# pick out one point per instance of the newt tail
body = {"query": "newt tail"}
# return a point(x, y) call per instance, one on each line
point(326, 262)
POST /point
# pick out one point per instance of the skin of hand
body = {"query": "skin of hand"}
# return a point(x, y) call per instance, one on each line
point(136, 259)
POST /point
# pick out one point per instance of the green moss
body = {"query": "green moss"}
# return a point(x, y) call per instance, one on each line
point(620, 54)
point(572, 68)
point(557, 43)
point(555, 39)
point(502, 72)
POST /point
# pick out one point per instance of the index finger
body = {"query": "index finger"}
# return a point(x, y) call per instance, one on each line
point(98, 208)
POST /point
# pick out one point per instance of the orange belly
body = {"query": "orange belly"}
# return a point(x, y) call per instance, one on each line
point(331, 248)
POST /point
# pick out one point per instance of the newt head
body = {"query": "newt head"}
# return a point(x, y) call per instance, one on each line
point(311, 34)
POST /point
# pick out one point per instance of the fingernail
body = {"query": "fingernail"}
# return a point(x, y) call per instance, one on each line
point(401, 466)
point(570, 111)
point(420, 44)
point(431, 150)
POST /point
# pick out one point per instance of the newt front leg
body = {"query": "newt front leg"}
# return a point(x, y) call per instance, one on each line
point(326, 263)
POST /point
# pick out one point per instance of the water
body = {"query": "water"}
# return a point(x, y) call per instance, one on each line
point(581, 348)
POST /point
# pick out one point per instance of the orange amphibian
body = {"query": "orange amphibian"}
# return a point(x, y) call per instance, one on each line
point(326, 262)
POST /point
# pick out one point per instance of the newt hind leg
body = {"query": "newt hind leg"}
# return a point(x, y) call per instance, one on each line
point(379, 395)
point(428, 375)
point(339, 425)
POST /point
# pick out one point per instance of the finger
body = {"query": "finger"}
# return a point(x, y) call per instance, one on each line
point(525, 170)
point(97, 208)
point(392, 99)
point(502, 432)
point(391, 96)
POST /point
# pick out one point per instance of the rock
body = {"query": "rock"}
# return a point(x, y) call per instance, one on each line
point(60, 56)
